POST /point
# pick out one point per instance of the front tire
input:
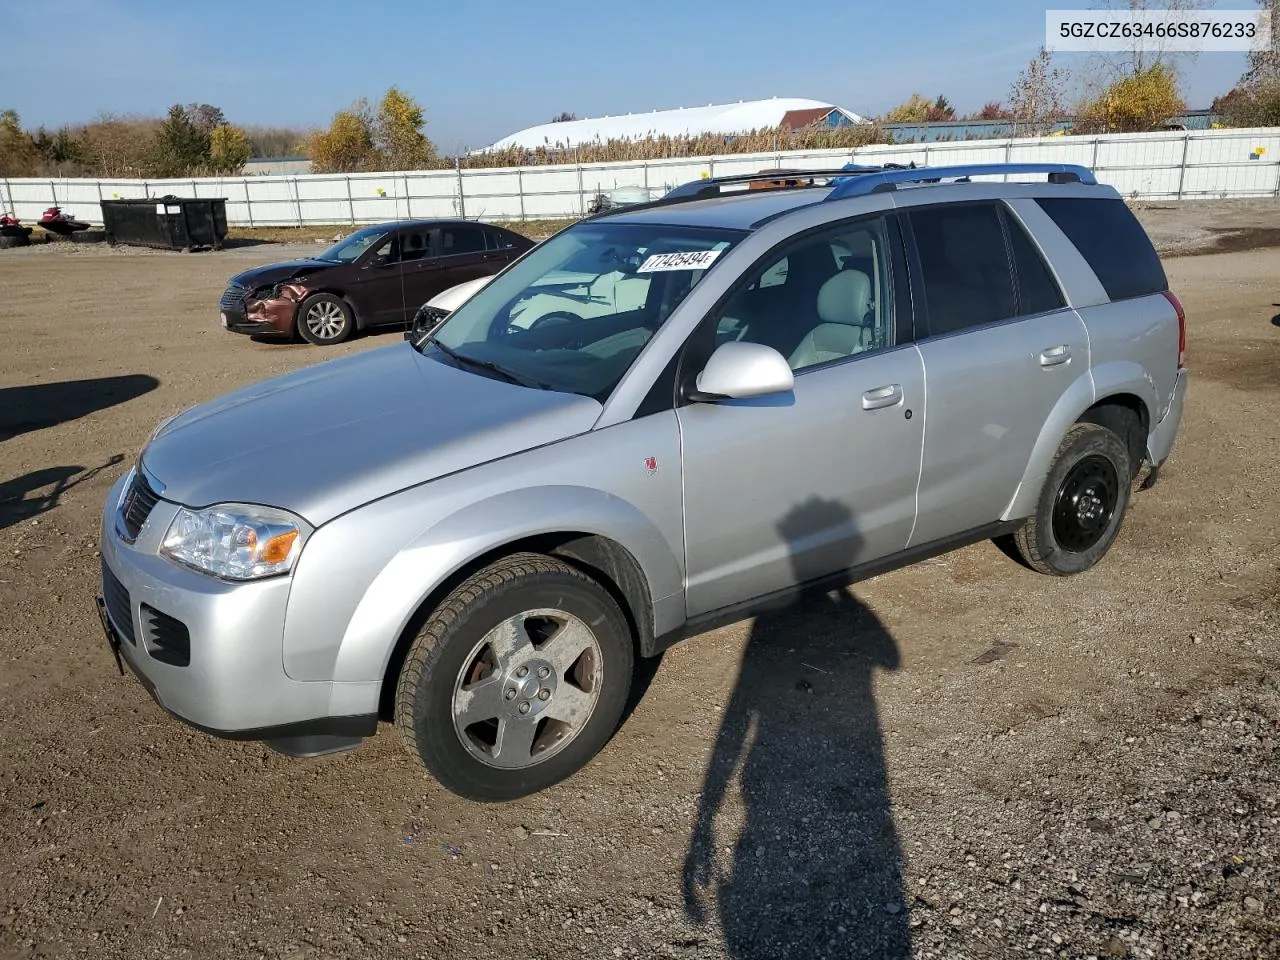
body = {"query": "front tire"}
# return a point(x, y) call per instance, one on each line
point(517, 680)
point(324, 319)
point(1082, 504)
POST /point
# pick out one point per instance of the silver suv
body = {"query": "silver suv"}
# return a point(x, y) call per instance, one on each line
point(657, 420)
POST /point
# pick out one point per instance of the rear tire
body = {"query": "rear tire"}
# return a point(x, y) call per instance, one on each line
point(517, 680)
point(88, 236)
point(15, 240)
point(1082, 504)
point(324, 319)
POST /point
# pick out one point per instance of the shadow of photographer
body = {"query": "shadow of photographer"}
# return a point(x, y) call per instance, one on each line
point(815, 869)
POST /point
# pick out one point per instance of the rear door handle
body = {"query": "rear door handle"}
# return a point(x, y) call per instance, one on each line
point(886, 396)
point(1055, 355)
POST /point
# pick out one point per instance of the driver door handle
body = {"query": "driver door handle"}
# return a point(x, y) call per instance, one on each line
point(886, 396)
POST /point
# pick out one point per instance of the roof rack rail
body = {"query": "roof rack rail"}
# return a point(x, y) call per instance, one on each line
point(708, 187)
point(712, 186)
point(877, 182)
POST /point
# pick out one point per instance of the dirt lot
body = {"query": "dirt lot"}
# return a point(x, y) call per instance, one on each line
point(962, 759)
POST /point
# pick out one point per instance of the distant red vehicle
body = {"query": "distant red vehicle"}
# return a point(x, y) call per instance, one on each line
point(378, 276)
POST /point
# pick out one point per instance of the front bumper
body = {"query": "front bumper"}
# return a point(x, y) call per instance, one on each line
point(234, 684)
point(273, 318)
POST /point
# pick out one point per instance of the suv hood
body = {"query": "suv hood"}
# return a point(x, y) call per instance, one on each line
point(326, 439)
point(285, 270)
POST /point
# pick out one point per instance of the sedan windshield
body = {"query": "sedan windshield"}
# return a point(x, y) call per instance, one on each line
point(576, 311)
point(351, 246)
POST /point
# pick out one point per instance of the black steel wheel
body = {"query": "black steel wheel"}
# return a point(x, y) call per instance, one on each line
point(1082, 503)
point(1086, 503)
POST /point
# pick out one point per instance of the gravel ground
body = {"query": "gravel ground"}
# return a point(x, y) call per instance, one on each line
point(961, 759)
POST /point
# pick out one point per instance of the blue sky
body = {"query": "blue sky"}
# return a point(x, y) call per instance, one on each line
point(485, 68)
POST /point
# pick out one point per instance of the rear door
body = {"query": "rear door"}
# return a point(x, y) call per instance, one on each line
point(459, 253)
point(1000, 348)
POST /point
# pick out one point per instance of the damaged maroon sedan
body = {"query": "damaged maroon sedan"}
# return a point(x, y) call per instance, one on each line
point(377, 276)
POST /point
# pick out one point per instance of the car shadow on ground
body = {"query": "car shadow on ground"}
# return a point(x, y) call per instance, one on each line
point(48, 485)
point(37, 406)
point(815, 869)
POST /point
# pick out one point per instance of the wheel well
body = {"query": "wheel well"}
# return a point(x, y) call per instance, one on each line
point(1126, 416)
point(605, 561)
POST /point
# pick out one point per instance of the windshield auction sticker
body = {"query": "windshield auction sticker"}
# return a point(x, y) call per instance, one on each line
point(688, 260)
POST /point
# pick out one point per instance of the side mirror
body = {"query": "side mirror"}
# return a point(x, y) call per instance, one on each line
point(740, 371)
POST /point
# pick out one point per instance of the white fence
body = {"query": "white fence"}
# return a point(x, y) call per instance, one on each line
point(1167, 165)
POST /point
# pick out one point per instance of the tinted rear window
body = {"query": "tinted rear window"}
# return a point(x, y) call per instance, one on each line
point(967, 282)
point(1111, 239)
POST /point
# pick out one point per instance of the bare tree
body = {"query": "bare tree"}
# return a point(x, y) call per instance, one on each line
point(1264, 65)
point(1038, 95)
point(1147, 52)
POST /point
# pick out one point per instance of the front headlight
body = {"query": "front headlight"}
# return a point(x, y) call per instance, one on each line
point(270, 292)
point(236, 541)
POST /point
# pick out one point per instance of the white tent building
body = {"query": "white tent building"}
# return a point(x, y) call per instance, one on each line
point(723, 119)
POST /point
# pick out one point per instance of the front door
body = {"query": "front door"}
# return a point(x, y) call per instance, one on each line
point(788, 489)
point(377, 283)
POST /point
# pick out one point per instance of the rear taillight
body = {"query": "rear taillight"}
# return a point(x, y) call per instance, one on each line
point(1182, 328)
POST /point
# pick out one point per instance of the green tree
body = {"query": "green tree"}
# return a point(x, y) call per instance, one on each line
point(398, 135)
point(941, 110)
point(229, 149)
point(347, 146)
point(18, 155)
point(180, 147)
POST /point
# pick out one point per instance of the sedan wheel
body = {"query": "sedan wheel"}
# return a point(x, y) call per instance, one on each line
point(324, 319)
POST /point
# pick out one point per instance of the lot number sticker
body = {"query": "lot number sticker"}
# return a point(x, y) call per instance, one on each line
point(688, 260)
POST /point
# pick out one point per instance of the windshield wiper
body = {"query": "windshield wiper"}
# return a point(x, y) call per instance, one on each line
point(492, 367)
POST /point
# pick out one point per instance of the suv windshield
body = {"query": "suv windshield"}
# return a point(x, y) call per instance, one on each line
point(351, 246)
point(576, 311)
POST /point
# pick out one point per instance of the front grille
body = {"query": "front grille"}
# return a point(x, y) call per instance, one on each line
point(138, 504)
point(167, 638)
point(119, 607)
point(233, 297)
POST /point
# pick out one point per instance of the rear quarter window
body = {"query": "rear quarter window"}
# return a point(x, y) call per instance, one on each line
point(1112, 242)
